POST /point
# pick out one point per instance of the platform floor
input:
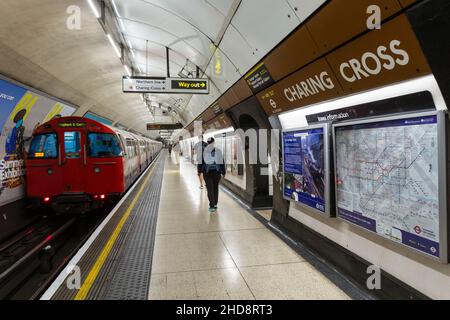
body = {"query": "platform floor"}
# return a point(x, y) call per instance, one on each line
point(224, 255)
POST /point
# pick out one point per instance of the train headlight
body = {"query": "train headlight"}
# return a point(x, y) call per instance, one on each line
point(50, 171)
point(97, 170)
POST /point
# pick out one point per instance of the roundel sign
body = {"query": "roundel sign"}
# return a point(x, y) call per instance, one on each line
point(273, 103)
point(418, 230)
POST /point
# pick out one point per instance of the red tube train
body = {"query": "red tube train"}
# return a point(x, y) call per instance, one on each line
point(75, 164)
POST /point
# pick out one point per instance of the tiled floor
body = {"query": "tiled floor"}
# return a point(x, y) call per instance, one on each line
point(266, 214)
point(224, 255)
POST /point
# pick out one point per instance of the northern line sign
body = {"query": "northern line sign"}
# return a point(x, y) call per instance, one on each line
point(165, 85)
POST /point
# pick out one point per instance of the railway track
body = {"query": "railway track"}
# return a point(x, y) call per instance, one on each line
point(30, 260)
point(33, 258)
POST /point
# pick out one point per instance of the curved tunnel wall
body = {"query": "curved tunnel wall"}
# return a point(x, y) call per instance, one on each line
point(349, 248)
point(22, 109)
point(249, 116)
point(416, 271)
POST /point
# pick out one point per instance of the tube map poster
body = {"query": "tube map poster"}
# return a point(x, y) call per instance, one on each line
point(21, 110)
point(388, 179)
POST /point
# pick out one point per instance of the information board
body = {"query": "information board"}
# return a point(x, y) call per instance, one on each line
point(164, 126)
point(388, 176)
point(259, 78)
point(165, 85)
point(306, 167)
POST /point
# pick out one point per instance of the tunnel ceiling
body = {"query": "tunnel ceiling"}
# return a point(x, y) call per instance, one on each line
point(225, 38)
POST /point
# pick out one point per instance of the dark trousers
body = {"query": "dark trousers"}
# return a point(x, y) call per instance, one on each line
point(212, 180)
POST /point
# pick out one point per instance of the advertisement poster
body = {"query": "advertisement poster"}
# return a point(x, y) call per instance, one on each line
point(21, 110)
point(388, 179)
point(228, 153)
point(237, 157)
point(304, 167)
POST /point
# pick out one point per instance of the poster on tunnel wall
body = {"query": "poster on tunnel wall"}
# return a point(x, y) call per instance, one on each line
point(305, 167)
point(237, 157)
point(21, 110)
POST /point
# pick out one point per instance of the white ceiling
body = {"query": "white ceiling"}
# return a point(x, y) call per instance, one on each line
point(232, 34)
point(225, 38)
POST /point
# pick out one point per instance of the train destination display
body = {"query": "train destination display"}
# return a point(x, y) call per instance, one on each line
point(387, 175)
point(305, 167)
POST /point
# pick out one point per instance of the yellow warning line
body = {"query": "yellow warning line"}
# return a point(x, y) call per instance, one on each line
point(95, 270)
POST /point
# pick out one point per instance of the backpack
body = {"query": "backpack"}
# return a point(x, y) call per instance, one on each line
point(212, 167)
point(211, 164)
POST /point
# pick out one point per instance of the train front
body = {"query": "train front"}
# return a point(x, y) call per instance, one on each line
point(74, 165)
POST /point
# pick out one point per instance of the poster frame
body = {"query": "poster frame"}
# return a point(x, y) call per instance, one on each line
point(442, 177)
point(328, 173)
point(46, 95)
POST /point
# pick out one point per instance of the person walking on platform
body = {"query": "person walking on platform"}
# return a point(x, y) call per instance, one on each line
point(213, 170)
point(200, 148)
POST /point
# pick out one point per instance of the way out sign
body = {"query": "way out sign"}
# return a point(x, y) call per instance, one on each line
point(165, 85)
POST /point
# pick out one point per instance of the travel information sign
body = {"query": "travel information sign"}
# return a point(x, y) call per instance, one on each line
point(306, 164)
point(165, 85)
point(389, 179)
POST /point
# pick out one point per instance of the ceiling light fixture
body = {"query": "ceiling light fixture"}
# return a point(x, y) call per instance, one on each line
point(122, 26)
point(94, 9)
point(115, 46)
point(115, 8)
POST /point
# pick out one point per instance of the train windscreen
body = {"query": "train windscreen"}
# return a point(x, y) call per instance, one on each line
point(104, 145)
point(44, 146)
point(72, 144)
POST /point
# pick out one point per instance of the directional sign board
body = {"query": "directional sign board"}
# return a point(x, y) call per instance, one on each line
point(161, 126)
point(165, 85)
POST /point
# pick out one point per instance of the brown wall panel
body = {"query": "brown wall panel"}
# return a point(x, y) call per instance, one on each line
point(342, 20)
point(294, 53)
point(312, 84)
point(207, 115)
point(380, 57)
point(219, 122)
point(405, 3)
point(223, 103)
point(242, 90)
point(230, 98)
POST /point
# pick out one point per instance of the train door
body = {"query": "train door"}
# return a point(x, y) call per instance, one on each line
point(73, 161)
point(125, 157)
point(139, 151)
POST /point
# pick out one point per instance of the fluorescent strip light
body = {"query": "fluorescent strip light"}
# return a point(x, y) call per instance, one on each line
point(94, 8)
point(115, 8)
point(121, 24)
point(115, 46)
point(127, 70)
